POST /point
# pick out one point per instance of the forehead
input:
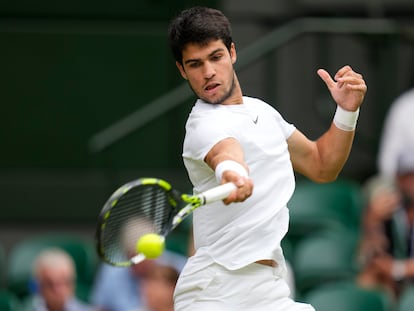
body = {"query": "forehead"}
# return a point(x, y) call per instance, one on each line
point(199, 51)
point(56, 271)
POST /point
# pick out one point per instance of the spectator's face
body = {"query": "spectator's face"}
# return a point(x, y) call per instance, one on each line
point(143, 268)
point(158, 293)
point(384, 203)
point(56, 286)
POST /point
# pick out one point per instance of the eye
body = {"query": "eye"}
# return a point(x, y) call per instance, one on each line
point(194, 64)
point(216, 57)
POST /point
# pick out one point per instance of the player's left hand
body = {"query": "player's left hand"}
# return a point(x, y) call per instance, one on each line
point(347, 88)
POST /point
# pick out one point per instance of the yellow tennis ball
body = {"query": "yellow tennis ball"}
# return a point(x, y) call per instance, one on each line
point(151, 245)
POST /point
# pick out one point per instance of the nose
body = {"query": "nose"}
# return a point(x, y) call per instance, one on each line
point(209, 70)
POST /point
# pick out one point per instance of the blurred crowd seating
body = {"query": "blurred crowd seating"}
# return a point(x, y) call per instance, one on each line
point(16, 280)
point(324, 231)
point(321, 247)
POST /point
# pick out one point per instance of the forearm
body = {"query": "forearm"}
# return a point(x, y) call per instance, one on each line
point(334, 147)
point(321, 160)
point(227, 160)
point(227, 149)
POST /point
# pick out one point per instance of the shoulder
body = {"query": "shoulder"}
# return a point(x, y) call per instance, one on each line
point(78, 305)
point(108, 274)
point(202, 112)
point(403, 103)
point(248, 100)
point(259, 104)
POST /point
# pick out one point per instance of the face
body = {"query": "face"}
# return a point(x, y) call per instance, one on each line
point(56, 285)
point(143, 268)
point(158, 294)
point(209, 72)
point(384, 203)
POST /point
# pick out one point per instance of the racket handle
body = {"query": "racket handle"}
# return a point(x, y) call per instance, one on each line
point(218, 193)
point(138, 258)
point(209, 196)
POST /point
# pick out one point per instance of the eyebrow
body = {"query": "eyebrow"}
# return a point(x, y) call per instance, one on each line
point(209, 55)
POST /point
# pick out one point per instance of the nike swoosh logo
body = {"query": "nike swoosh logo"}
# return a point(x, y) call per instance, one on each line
point(255, 121)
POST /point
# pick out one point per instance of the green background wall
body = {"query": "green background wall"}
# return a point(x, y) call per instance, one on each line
point(68, 70)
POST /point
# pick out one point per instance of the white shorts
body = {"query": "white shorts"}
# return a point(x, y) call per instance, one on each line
point(255, 287)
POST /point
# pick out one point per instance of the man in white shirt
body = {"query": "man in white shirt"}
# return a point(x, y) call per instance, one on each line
point(238, 262)
point(397, 134)
point(54, 272)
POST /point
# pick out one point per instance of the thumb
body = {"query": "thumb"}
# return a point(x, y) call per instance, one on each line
point(325, 76)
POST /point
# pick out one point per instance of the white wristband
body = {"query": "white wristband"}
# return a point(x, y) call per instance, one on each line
point(229, 165)
point(345, 120)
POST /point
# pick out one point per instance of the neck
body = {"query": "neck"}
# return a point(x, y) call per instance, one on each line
point(236, 97)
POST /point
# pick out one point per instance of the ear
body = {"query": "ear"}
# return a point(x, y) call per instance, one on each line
point(233, 53)
point(181, 69)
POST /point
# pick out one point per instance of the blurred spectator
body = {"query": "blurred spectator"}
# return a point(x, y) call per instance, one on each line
point(158, 289)
point(382, 200)
point(397, 134)
point(55, 275)
point(119, 289)
point(386, 251)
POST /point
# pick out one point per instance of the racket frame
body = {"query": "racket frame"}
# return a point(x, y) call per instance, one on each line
point(192, 202)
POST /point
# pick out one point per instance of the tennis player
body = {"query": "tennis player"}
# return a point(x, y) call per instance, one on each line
point(238, 262)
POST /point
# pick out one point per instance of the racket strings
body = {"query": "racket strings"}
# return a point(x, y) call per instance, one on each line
point(142, 209)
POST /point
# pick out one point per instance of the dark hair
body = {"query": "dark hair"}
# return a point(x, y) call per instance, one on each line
point(198, 25)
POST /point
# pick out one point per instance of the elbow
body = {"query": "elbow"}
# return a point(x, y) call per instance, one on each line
point(325, 177)
point(325, 180)
point(320, 172)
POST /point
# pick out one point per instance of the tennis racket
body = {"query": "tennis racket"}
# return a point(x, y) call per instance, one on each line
point(143, 206)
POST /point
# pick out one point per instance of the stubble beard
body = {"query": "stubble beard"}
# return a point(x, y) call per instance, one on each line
point(225, 96)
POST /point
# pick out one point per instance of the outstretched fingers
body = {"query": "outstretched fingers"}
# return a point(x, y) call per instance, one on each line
point(347, 88)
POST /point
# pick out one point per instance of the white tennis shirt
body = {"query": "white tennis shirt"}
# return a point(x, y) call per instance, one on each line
point(238, 234)
point(397, 134)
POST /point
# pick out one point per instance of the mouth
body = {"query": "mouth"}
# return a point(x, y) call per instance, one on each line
point(211, 87)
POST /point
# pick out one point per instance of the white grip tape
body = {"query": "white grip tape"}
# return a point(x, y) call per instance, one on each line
point(229, 165)
point(218, 193)
point(345, 120)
